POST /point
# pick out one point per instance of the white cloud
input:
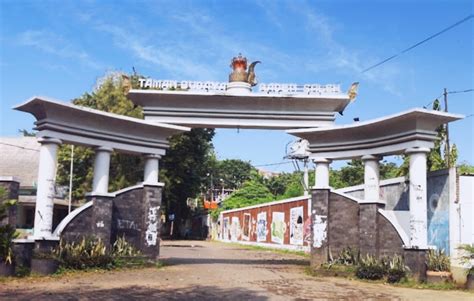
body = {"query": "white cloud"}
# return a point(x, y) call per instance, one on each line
point(53, 44)
point(338, 56)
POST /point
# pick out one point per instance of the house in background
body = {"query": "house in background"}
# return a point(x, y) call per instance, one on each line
point(19, 161)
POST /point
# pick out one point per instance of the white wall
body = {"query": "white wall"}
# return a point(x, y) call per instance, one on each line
point(466, 205)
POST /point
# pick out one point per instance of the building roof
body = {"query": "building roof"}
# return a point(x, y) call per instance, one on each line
point(20, 158)
point(387, 135)
point(89, 127)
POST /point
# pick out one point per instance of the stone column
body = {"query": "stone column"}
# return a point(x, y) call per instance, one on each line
point(320, 227)
point(45, 188)
point(100, 183)
point(371, 178)
point(151, 168)
point(321, 173)
point(417, 198)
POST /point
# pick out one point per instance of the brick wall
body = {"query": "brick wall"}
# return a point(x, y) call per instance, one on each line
point(248, 222)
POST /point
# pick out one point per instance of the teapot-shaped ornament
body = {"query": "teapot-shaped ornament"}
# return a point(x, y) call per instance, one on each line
point(240, 72)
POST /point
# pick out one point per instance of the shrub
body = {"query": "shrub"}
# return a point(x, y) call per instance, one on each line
point(370, 268)
point(468, 257)
point(7, 232)
point(348, 256)
point(89, 253)
point(397, 270)
point(437, 261)
point(122, 248)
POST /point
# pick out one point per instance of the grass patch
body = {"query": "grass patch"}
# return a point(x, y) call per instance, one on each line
point(348, 272)
point(334, 270)
point(412, 283)
point(274, 250)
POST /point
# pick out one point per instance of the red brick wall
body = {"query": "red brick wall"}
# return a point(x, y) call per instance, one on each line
point(269, 209)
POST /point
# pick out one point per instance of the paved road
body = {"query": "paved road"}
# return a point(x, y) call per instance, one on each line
point(213, 271)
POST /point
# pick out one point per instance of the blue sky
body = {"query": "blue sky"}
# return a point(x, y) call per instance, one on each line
point(60, 48)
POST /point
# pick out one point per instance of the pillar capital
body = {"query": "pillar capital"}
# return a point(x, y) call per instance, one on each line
point(417, 150)
point(371, 158)
point(321, 160)
point(104, 149)
point(152, 156)
point(48, 140)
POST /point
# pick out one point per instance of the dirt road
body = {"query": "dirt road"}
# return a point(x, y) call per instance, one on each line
point(213, 271)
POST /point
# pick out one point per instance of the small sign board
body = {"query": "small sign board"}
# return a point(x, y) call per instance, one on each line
point(171, 217)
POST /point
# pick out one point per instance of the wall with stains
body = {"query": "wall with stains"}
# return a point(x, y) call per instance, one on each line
point(281, 223)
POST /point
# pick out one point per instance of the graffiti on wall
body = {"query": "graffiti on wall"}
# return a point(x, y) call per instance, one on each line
point(235, 229)
point(278, 227)
point(246, 227)
point(319, 230)
point(262, 226)
point(225, 231)
point(296, 226)
point(438, 221)
point(307, 230)
point(151, 234)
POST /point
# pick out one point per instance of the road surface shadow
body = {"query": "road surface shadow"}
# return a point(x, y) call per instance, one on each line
point(136, 293)
point(197, 260)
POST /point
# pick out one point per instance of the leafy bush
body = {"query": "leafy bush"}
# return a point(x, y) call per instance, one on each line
point(122, 248)
point(89, 253)
point(370, 268)
point(397, 270)
point(92, 253)
point(348, 256)
point(437, 261)
point(468, 257)
point(7, 232)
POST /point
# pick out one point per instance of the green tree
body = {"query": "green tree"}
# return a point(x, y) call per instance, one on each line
point(353, 173)
point(251, 193)
point(184, 169)
point(232, 173)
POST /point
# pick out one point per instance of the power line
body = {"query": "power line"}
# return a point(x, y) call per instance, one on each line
point(419, 43)
point(462, 91)
point(272, 164)
point(449, 92)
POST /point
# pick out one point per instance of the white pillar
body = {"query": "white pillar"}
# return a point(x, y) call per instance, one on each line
point(151, 168)
point(417, 197)
point(100, 183)
point(321, 173)
point(371, 178)
point(45, 188)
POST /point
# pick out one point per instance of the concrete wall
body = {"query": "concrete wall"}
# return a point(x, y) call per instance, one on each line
point(133, 213)
point(282, 224)
point(466, 205)
point(340, 221)
point(441, 195)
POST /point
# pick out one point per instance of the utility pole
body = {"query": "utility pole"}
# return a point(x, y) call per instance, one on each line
point(448, 148)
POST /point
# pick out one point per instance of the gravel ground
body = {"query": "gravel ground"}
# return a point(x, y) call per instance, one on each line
point(196, 270)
